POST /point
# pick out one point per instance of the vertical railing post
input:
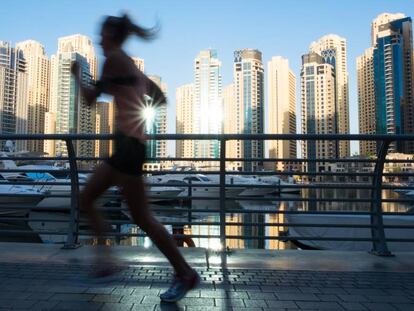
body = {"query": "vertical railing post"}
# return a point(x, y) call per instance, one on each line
point(379, 243)
point(72, 238)
point(190, 206)
point(223, 192)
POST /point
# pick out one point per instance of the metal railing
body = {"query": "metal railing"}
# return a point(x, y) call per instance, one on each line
point(375, 199)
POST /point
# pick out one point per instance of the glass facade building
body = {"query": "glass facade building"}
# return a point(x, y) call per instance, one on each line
point(393, 81)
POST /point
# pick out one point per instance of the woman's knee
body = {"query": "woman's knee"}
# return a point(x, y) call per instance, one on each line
point(148, 224)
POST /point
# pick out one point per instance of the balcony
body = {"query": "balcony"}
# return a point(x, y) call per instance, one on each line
point(294, 247)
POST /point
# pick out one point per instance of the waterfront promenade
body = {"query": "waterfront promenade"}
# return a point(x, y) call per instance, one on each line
point(45, 277)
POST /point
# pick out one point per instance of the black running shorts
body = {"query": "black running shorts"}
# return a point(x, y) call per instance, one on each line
point(129, 155)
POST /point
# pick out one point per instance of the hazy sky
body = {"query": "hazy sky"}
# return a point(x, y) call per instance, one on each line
point(275, 27)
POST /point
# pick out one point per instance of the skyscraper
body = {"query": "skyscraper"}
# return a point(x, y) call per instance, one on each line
point(318, 109)
point(156, 123)
point(282, 110)
point(37, 64)
point(380, 20)
point(332, 48)
point(105, 118)
point(248, 81)
point(366, 100)
point(386, 82)
point(207, 106)
point(230, 125)
point(83, 45)
point(184, 99)
point(13, 93)
point(73, 115)
point(394, 82)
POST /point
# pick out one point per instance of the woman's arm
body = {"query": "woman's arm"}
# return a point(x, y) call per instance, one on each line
point(155, 92)
point(90, 93)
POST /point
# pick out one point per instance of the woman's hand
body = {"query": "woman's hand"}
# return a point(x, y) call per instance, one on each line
point(89, 95)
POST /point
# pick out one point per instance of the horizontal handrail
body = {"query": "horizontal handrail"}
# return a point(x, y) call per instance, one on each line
point(367, 175)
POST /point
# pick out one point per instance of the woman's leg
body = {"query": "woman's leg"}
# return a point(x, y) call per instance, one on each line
point(103, 178)
point(134, 191)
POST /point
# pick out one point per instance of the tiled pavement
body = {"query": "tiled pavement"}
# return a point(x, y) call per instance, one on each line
point(45, 277)
point(59, 286)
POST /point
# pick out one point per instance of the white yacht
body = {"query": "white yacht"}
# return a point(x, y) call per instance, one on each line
point(246, 186)
point(202, 186)
point(279, 184)
point(15, 198)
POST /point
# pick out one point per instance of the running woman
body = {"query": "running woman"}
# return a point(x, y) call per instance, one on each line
point(127, 84)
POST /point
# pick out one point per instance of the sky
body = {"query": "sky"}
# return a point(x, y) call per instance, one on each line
point(275, 27)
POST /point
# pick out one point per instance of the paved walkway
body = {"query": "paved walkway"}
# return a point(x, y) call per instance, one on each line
point(43, 277)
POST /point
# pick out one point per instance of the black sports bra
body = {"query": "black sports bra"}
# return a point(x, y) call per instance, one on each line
point(102, 85)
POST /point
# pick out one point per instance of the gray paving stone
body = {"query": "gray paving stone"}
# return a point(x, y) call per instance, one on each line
point(135, 299)
point(77, 306)
point(168, 307)
point(149, 300)
point(107, 298)
point(5, 294)
point(352, 306)
point(100, 290)
point(67, 289)
point(72, 297)
point(279, 304)
point(17, 304)
point(251, 303)
point(109, 306)
point(147, 291)
point(403, 306)
point(328, 297)
point(297, 297)
point(365, 291)
point(122, 291)
point(333, 290)
point(353, 298)
point(229, 302)
point(376, 306)
point(389, 298)
point(231, 294)
point(213, 294)
point(319, 305)
point(309, 290)
point(44, 306)
point(260, 295)
point(197, 301)
point(201, 308)
point(143, 307)
point(286, 289)
point(247, 288)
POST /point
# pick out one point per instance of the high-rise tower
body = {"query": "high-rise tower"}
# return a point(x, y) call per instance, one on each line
point(207, 108)
point(318, 109)
point(184, 98)
point(282, 110)
point(248, 79)
point(332, 48)
point(68, 110)
point(37, 68)
point(13, 94)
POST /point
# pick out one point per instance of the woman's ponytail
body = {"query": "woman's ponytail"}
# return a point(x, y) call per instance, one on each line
point(143, 33)
point(123, 27)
